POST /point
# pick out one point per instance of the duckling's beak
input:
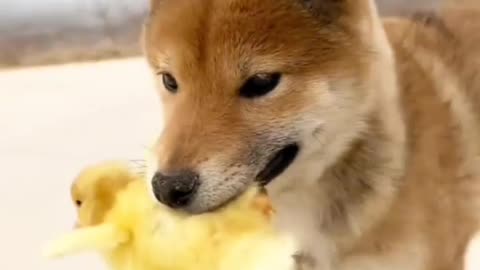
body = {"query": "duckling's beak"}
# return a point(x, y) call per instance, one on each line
point(263, 203)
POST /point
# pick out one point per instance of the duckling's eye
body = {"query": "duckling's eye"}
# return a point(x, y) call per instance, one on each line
point(78, 203)
point(260, 85)
point(170, 82)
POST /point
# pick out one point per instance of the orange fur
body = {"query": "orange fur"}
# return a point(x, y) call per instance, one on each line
point(386, 115)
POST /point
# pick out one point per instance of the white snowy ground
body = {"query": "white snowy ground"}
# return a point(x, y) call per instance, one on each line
point(53, 121)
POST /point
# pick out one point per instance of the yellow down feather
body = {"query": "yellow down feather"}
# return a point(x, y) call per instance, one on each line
point(120, 219)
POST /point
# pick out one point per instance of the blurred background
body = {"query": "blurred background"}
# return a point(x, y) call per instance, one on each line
point(74, 91)
point(55, 31)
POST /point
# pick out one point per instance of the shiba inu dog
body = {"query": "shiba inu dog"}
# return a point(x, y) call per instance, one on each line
point(366, 132)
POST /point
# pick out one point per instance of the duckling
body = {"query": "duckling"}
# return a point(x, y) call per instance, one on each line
point(119, 218)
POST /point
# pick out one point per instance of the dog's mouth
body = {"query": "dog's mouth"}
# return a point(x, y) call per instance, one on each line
point(278, 164)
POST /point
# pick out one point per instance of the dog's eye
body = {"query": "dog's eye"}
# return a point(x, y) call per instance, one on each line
point(169, 82)
point(260, 84)
point(78, 203)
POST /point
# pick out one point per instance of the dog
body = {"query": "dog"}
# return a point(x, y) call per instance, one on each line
point(364, 131)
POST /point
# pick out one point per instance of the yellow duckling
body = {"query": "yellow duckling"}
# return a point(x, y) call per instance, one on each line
point(118, 217)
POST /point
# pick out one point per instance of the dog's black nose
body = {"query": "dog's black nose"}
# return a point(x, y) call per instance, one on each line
point(175, 190)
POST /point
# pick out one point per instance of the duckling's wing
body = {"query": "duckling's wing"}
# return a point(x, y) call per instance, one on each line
point(98, 238)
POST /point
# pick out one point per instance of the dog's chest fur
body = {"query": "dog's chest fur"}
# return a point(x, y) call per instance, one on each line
point(364, 213)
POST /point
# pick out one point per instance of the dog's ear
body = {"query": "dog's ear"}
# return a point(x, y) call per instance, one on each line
point(358, 16)
point(155, 5)
point(330, 11)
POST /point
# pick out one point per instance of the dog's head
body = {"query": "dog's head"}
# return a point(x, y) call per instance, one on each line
point(251, 87)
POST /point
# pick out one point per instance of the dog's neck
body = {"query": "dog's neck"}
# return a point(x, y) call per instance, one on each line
point(363, 183)
point(342, 200)
point(367, 177)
